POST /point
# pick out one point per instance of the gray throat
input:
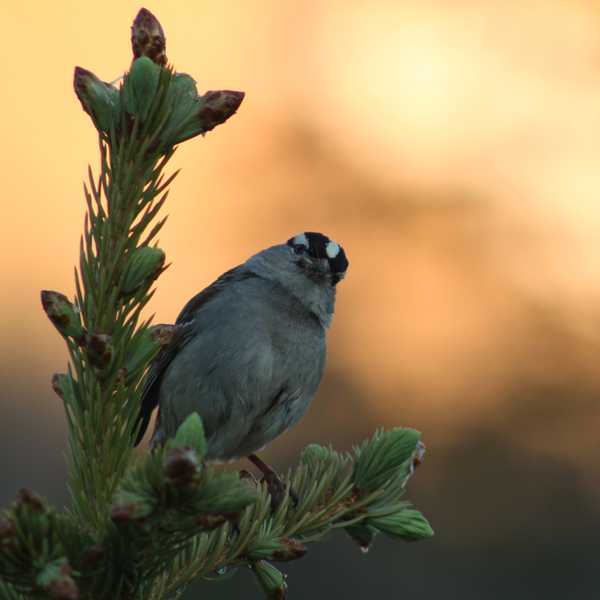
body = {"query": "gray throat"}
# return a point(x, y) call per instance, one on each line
point(317, 297)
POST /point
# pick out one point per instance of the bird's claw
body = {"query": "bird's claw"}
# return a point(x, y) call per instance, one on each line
point(275, 485)
point(278, 491)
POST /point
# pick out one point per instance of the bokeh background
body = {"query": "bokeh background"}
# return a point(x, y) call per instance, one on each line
point(453, 148)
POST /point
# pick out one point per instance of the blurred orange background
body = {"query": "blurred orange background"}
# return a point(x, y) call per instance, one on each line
point(451, 146)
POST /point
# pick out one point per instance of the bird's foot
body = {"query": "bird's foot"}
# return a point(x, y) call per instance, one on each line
point(277, 488)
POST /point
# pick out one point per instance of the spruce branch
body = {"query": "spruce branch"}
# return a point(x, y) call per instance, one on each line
point(142, 527)
point(175, 518)
point(139, 126)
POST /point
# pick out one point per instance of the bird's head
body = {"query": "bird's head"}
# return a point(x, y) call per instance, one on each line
point(309, 265)
point(318, 257)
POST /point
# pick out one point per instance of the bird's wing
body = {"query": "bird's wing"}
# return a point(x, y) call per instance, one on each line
point(183, 333)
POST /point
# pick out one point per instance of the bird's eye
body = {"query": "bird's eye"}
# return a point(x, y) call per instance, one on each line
point(300, 249)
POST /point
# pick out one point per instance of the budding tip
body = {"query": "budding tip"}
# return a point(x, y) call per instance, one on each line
point(45, 298)
point(145, 19)
point(79, 72)
point(181, 465)
point(79, 76)
point(56, 380)
point(144, 14)
point(26, 497)
point(148, 37)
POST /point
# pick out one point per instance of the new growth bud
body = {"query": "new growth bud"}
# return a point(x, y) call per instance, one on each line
point(190, 434)
point(145, 265)
point(193, 114)
point(62, 384)
point(271, 580)
point(63, 314)
point(290, 549)
point(181, 465)
point(140, 86)
point(218, 106)
point(315, 453)
point(100, 100)
point(408, 524)
point(145, 345)
point(209, 110)
point(385, 456)
point(99, 349)
point(148, 38)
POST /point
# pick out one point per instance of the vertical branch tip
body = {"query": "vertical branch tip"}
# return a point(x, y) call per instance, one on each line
point(148, 38)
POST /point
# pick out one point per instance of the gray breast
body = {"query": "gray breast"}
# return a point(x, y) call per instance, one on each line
point(250, 370)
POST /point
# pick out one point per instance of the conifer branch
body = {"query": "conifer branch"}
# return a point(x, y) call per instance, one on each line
point(144, 527)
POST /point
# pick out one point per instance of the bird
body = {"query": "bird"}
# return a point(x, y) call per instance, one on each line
point(249, 352)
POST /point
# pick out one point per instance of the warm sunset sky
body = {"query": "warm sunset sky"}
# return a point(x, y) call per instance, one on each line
point(452, 147)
